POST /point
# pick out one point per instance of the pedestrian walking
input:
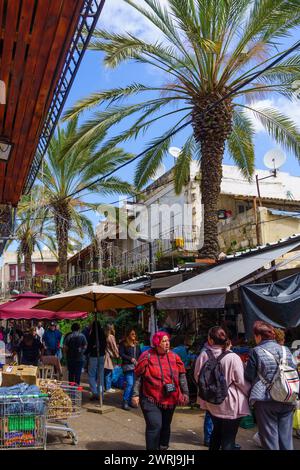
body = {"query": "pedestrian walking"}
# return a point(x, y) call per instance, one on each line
point(160, 385)
point(29, 349)
point(274, 418)
point(75, 345)
point(223, 391)
point(129, 351)
point(51, 340)
point(96, 365)
point(111, 353)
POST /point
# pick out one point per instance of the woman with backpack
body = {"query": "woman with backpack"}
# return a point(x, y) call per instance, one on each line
point(223, 390)
point(160, 385)
point(273, 404)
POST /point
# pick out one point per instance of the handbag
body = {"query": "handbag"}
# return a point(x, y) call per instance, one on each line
point(296, 417)
point(129, 367)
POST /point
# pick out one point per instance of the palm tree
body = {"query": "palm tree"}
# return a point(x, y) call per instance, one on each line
point(209, 48)
point(64, 173)
point(32, 232)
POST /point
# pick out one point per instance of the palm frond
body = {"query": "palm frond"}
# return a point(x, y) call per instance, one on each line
point(280, 127)
point(240, 143)
point(182, 166)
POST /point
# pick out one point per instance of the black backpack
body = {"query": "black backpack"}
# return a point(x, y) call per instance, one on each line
point(212, 386)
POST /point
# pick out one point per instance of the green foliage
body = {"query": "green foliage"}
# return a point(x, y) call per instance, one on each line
point(65, 325)
point(208, 46)
point(33, 230)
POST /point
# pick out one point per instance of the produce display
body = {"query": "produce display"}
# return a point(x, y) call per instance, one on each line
point(60, 404)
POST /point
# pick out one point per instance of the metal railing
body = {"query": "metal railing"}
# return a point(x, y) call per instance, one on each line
point(87, 22)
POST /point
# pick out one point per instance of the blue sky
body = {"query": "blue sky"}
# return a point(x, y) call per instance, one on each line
point(94, 76)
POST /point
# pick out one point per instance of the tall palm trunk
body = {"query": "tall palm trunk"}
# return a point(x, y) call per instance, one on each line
point(62, 226)
point(211, 132)
point(28, 270)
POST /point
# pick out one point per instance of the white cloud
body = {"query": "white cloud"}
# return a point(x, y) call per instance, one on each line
point(285, 106)
point(117, 16)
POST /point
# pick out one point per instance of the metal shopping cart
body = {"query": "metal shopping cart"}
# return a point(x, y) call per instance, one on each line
point(65, 400)
point(23, 421)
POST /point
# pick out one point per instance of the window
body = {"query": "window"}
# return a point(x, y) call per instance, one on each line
point(241, 208)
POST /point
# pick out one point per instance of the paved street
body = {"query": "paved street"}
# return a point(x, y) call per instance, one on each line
point(124, 430)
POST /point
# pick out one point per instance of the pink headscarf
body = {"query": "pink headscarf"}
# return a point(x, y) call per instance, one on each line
point(157, 337)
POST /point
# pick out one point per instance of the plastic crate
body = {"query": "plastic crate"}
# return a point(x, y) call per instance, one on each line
point(247, 422)
point(21, 423)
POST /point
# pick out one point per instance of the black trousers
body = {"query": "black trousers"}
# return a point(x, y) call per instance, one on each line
point(158, 424)
point(74, 369)
point(224, 433)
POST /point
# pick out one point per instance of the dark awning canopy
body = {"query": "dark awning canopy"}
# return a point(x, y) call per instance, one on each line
point(277, 303)
point(209, 289)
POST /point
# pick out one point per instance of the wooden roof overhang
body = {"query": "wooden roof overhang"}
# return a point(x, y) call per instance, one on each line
point(41, 46)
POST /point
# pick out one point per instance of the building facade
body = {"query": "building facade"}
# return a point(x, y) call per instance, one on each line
point(12, 274)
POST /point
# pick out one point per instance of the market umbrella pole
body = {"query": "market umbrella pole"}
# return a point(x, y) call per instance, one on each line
point(98, 354)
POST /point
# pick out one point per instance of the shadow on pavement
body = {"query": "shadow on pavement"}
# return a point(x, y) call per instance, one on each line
point(103, 445)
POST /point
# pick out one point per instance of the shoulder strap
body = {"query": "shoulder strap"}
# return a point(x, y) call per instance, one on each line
point(219, 358)
point(210, 354)
point(268, 353)
point(283, 353)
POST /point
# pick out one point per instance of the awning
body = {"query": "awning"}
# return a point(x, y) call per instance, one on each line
point(21, 308)
point(137, 285)
point(295, 215)
point(209, 289)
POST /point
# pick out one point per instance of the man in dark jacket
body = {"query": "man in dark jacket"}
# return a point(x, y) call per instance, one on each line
point(51, 340)
point(75, 345)
point(96, 365)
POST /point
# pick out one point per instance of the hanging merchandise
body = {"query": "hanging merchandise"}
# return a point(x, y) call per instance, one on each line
point(240, 323)
point(152, 327)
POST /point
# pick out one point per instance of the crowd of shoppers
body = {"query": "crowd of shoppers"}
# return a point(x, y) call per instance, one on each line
point(155, 379)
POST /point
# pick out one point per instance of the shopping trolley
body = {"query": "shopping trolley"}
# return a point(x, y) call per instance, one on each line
point(65, 400)
point(23, 421)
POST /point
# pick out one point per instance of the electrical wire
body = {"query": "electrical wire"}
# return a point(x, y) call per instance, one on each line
point(202, 114)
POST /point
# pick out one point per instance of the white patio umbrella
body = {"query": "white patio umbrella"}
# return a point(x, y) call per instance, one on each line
point(95, 298)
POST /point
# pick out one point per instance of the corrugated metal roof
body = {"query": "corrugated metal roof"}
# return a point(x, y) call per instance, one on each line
point(219, 278)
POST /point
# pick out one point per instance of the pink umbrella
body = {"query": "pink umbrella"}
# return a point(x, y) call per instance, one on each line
point(21, 308)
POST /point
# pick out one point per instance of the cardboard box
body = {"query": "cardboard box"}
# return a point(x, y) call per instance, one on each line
point(13, 375)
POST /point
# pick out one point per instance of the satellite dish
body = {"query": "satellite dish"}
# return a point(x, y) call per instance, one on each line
point(274, 159)
point(159, 172)
point(174, 151)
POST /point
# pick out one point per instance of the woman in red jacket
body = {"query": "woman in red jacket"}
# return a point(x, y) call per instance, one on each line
point(160, 385)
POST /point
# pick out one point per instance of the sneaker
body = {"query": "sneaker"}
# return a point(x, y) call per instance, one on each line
point(256, 439)
point(110, 390)
point(164, 448)
point(125, 406)
point(236, 447)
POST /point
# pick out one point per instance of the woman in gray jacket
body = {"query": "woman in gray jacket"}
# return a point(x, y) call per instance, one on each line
point(274, 418)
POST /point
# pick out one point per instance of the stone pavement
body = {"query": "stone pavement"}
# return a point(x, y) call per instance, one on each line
point(124, 430)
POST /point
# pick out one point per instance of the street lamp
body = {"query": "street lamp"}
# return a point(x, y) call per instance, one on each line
point(5, 149)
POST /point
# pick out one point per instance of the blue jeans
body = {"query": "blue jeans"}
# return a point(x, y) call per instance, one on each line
point(208, 427)
point(96, 375)
point(108, 378)
point(129, 379)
